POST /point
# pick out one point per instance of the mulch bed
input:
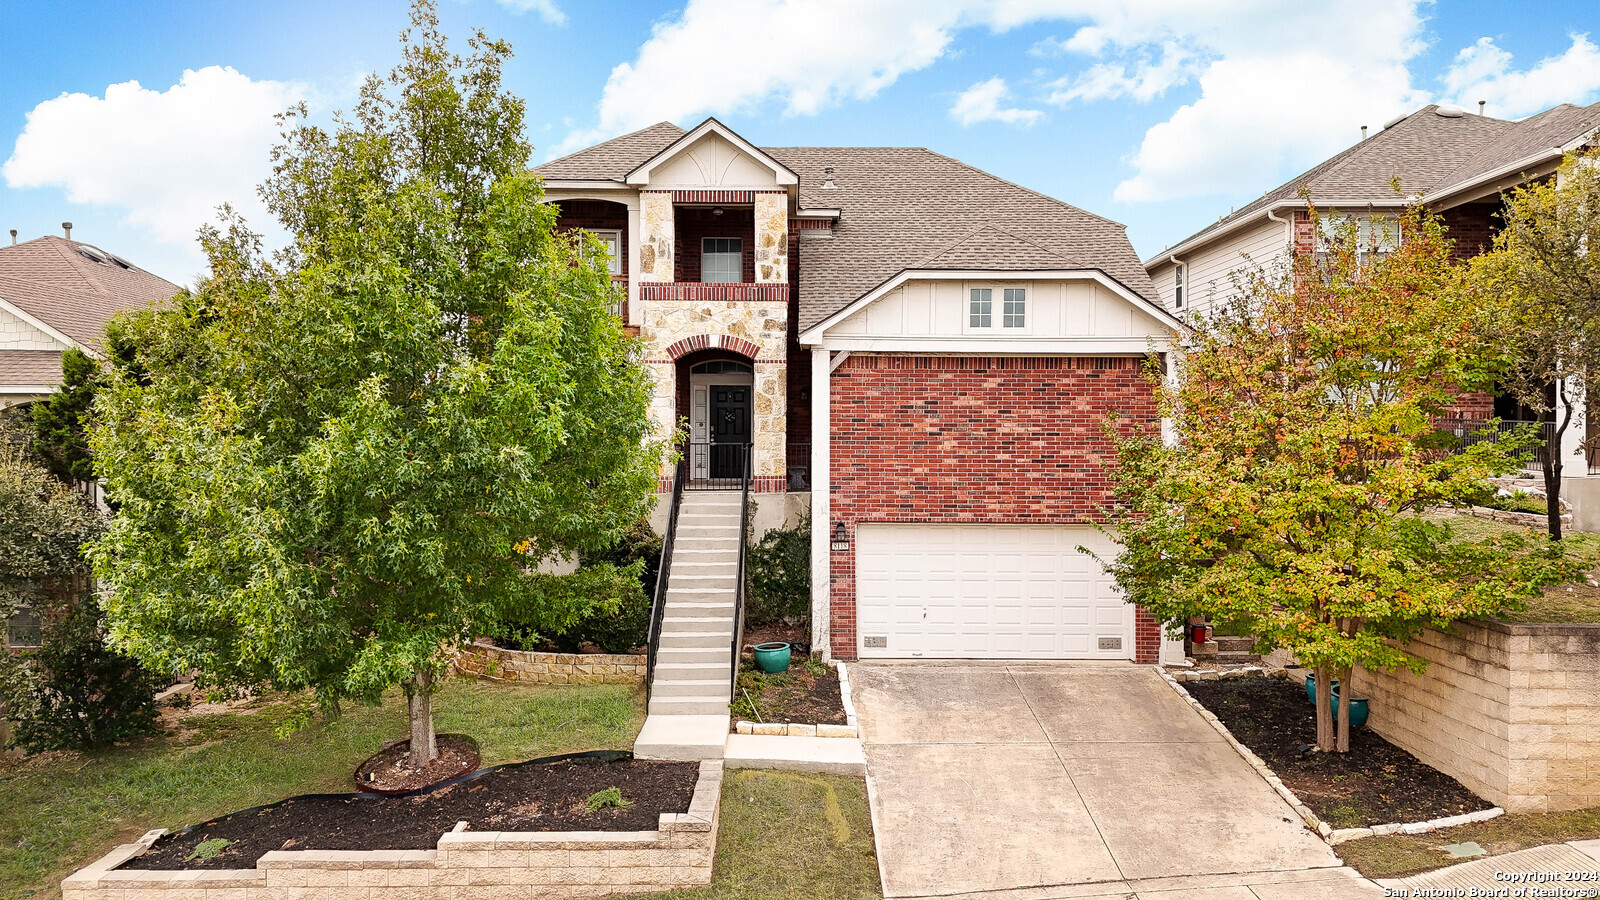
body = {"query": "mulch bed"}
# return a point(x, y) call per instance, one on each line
point(1375, 783)
point(389, 770)
point(533, 797)
point(798, 696)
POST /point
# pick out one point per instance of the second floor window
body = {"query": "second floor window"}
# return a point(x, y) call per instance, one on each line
point(721, 260)
point(612, 239)
point(1375, 236)
point(981, 309)
point(1015, 312)
point(1177, 274)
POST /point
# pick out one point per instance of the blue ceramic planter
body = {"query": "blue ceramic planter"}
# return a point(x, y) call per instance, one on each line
point(772, 658)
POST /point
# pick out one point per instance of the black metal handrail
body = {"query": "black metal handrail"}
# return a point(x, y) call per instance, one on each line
point(713, 466)
point(738, 586)
point(1477, 431)
point(658, 604)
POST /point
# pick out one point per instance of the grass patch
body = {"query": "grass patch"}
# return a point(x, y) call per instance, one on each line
point(1574, 603)
point(791, 836)
point(63, 810)
point(1398, 855)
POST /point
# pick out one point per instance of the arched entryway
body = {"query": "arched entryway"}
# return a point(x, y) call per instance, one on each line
point(715, 399)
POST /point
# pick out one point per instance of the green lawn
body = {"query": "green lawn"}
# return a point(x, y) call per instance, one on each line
point(63, 810)
point(791, 836)
point(1564, 603)
point(1397, 855)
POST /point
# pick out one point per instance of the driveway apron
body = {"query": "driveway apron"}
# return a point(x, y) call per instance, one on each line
point(1023, 777)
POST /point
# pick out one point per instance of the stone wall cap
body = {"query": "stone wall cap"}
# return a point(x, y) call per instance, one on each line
point(345, 859)
point(1565, 629)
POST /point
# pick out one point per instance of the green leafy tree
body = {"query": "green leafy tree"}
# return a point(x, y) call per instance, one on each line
point(334, 466)
point(1543, 282)
point(1306, 449)
point(59, 438)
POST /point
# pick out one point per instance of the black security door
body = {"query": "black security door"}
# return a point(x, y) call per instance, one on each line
point(730, 429)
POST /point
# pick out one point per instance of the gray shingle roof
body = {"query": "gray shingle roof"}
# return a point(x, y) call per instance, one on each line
point(611, 160)
point(1545, 131)
point(52, 280)
point(903, 208)
point(30, 368)
point(908, 207)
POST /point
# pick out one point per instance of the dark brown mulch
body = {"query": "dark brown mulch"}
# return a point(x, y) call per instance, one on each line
point(1375, 783)
point(535, 797)
point(389, 770)
point(799, 696)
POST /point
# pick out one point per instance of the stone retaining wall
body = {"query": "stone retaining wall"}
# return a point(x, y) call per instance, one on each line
point(466, 865)
point(489, 662)
point(1509, 710)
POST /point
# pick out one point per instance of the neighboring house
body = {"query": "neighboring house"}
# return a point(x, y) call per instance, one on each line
point(57, 293)
point(928, 350)
point(1453, 161)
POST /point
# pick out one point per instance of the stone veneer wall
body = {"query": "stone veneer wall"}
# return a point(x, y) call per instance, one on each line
point(666, 322)
point(1511, 711)
point(486, 661)
point(467, 865)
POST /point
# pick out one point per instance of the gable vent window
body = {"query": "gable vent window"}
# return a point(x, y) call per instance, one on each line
point(1178, 274)
point(981, 309)
point(721, 260)
point(1015, 311)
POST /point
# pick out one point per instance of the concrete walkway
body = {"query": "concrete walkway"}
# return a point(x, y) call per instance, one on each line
point(1027, 782)
point(1573, 866)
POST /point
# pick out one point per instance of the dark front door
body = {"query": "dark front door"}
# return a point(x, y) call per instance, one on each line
point(730, 429)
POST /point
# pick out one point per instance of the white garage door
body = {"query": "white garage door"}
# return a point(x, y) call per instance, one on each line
point(987, 591)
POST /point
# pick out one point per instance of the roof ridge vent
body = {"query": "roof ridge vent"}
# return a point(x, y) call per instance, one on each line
point(95, 254)
point(827, 179)
point(1450, 112)
point(1395, 121)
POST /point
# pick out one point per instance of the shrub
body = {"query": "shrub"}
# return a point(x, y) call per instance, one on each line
point(610, 798)
point(622, 578)
point(779, 572)
point(74, 692)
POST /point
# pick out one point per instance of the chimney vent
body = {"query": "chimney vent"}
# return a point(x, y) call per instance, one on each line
point(827, 179)
point(1481, 105)
point(13, 237)
point(1363, 132)
point(66, 229)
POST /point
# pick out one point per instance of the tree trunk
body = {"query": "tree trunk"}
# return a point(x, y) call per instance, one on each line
point(1344, 710)
point(419, 703)
point(1324, 709)
point(1552, 462)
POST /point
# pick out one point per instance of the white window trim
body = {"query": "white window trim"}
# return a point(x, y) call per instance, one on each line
point(739, 268)
point(1332, 223)
point(997, 309)
point(615, 234)
point(1180, 275)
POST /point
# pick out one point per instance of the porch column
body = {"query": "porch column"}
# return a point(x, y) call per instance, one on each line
point(634, 312)
point(772, 237)
point(821, 508)
point(1573, 460)
point(656, 233)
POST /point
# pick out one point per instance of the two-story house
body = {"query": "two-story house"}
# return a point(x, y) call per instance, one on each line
point(927, 351)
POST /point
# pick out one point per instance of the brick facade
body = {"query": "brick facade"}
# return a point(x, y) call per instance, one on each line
point(697, 222)
point(597, 215)
point(1472, 226)
point(945, 439)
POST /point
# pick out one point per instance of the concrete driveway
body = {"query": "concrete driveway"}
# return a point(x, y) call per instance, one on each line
point(1021, 781)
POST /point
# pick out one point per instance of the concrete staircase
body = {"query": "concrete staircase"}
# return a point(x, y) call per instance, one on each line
point(688, 714)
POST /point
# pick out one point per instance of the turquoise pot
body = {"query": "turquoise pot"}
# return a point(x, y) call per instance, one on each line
point(1358, 706)
point(772, 658)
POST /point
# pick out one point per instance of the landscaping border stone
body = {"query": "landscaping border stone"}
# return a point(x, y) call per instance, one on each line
point(491, 663)
point(1327, 832)
point(848, 730)
point(466, 865)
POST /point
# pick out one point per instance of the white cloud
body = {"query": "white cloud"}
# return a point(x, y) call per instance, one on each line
point(168, 158)
point(722, 56)
point(1279, 84)
point(1143, 80)
point(546, 9)
point(1483, 72)
point(981, 103)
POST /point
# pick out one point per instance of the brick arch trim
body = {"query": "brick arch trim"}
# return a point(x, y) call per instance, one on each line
point(747, 349)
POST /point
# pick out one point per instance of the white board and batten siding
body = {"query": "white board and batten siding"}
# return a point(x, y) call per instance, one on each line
point(1059, 312)
point(1210, 271)
point(988, 592)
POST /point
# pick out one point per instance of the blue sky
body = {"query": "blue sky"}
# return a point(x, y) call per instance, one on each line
point(1160, 114)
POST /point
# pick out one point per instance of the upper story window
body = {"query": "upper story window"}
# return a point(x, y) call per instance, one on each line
point(1015, 312)
point(1178, 274)
point(1376, 236)
point(980, 310)
point(721, 260)
point(612, 239)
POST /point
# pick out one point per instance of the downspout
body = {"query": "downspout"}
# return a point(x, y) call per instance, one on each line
point(1288, 226)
